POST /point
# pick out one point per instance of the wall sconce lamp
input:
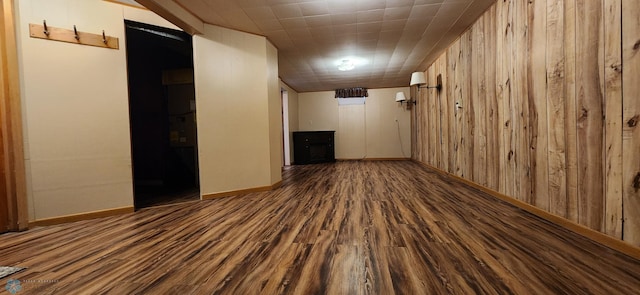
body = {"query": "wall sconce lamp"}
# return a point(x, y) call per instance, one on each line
point(417, 78)
point(402, 99)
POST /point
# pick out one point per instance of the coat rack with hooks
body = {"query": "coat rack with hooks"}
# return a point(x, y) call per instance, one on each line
point(72, 36)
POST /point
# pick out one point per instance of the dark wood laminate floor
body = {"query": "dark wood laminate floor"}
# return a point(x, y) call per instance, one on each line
point(343, 228)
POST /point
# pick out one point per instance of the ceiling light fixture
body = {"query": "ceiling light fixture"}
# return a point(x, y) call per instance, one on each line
point(346, 65)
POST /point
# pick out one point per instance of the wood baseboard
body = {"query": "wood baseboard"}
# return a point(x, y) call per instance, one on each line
point(242, 191)
point(81, 216)
point(596, 236)
point(376, 159)
point(386, 159)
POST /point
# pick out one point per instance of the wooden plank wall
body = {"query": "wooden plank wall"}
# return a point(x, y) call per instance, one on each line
point(549, 111)
point(13, 206)
point(631, 120)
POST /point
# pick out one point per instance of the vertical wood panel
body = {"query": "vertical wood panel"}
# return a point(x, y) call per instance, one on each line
point(493, 149)
point(13, 167)
point(522, 188)
point(456, 68)
point(549, 93)
point(426, 123)
point(435, 116)
point(4, 189)
point(505, 94)
point(510, 84)
point(452, 89)
point(590, 113)
point(556, 108)
point(5, 125)
point(421, 108)
point(416, 131)
point(570, 108)
point(536, 80)
point(501, 26)
point(631, 120)
point(467, 111)
point(417, 121)
point(435, 111)
point(613, 118)
point(479, 101)
point(5, 185)
point(441, 69)
point(420, 147)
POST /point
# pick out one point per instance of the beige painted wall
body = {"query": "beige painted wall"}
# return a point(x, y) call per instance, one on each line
point(293, 114)
point(235, 101)
point(317, 111)
point(75, 104)
point(76, 118)
point(379, 129)
point(351, 135)
point(388, 124)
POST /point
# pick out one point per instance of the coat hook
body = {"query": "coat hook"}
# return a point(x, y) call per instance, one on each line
point(75, 31)
point(104, 38)
point(46, 30)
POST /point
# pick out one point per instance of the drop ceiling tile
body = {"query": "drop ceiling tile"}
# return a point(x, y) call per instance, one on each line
point(364, 5)
point(397, 13)
point(421, 11)
point(318, 21)
point(251, 3)
point(269, 25)
point(388, 37)
point(343, 19)
point(399, 3)
point(259, 12)
point(375, 15)
point(394, 25)
point(452, 9)
point(299, 33)
point(341, 6)
point(369, 27)
point(276, 2)
point(345, 45)
point(343, 30)
point(241, 20)
point(397, 37)
point(322, 34)
point(287, 10)
point(314, 8)
point(371, 43)
point(367, 37)
point(295, 22)
point(416, 26)
point(200, 9)
point(440, 24)
point(422, 2)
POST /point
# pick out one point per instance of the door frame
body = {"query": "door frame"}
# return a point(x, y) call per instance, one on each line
point(13, 186)
point(286, 145)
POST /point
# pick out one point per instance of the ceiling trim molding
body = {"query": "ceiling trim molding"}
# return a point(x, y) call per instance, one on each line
point(176, 14)
point(129, 3)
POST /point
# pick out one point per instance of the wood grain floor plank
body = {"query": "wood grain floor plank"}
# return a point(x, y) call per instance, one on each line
point(351, 227)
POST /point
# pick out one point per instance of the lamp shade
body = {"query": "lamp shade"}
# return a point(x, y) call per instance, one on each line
point(417, 78)
point(400, 97)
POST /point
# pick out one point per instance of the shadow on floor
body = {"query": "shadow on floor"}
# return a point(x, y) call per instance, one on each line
point(158, 197)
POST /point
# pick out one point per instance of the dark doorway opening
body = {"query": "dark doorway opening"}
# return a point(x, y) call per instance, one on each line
point(162, 114)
